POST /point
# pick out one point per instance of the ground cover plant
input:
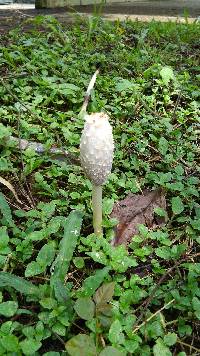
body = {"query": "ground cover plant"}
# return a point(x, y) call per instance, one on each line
point(63, 291)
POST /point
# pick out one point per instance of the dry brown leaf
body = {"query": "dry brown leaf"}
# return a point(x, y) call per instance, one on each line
point(137, 209)
point(10, 187)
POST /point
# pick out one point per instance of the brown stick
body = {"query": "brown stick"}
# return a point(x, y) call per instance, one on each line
point(149, 299)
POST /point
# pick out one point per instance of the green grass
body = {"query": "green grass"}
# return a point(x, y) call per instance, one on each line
point(62, 290)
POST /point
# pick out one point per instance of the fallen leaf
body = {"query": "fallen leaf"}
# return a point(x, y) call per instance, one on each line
point(10, 187)
point(134, 210)
point(103, 296)
point(81, 345)
point(104, 293)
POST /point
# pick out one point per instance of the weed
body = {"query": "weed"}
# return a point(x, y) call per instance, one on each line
point(64, 291)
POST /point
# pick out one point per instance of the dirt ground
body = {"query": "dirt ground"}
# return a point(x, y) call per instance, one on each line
point(142, 9)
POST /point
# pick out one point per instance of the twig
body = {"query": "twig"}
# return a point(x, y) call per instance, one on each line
point(21, 75)
point(188, 345)
point(102, 341)
point(152, 316)
point(194, 256)
point(149, 299)
point(79, 327)
point(176, 105)
point(25, 207)
point(58, 337)
point(153, 148)
point(149, 109)
point(171, 322)
point(8, 258)
point(146, 303)
point(7, 184)
point(23, 14)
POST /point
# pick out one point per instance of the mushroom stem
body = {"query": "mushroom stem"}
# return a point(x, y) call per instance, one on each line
point(97, 208)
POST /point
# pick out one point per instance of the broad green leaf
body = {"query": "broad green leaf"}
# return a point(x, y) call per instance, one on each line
point(163, 146)
point(46, 254)
point(65, 317)
point(59, 329)
point(4, 238)
point(154, 329)
point(160, 212)
point(163, 252)
point(18, 283)
point(6, 327)
point(72, 227)
point(167, 74)
point(24, 311)
point(161, 349)
point(138, 294)
point(8, 309)
point(124, 85)
point(115, 333)
point(75, 195)
point(62, 292)
point(196, 225)
point(108, 205)
point(54, 224)
point(10, 342)
point(177, 205)
point(91, 283)
point(48, 303)
point(47, 209)
point(177, 250)
point(79, 262)
point(81, 345)
point(98, 256)
point(37, 235)
point(85, 308)
point(112, 351)
point(67, 88)
point(170, 339)
point(131, 346)
point(45, 258)
point(4, 132)
point(179, 170)
point(33, 269)
point(196, 306)
point(4, 165)
point(5, 210)
point(30, 346)
point(176, 186)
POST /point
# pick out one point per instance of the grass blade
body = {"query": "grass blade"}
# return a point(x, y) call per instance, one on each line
point(72, 227)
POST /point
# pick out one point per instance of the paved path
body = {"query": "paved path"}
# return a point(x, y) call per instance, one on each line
point(144, 10)
point(149, 7)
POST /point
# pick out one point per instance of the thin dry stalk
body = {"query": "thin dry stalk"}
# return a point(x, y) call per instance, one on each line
point(152, 316)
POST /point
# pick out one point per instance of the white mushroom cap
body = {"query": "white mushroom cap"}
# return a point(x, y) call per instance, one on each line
point(96, 147)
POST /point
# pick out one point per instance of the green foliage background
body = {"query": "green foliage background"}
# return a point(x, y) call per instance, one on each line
point(62, 290)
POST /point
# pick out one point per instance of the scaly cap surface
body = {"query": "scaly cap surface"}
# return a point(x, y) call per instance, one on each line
point(96, 147)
